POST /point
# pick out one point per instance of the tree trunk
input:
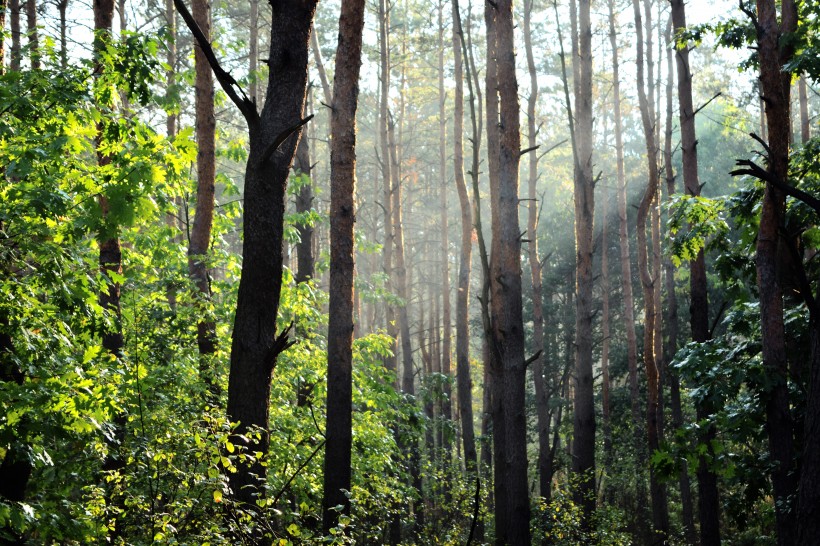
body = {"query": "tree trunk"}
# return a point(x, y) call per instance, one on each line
point(200, 236)
point(505, 286)
point(253, 52)
point(659, 521)
point(31, 30)
point(699, 307)
point(808, 502)
point(774, 53)
point(583, 445)
point(62, 7)
point(305, 269)
point(805, 125)
point(446, 332)
point(273, 136)
point(342, 217)
point(387, 183)
point(14, 23)
point(626, 265)
point(464, 382)
point(541, 396)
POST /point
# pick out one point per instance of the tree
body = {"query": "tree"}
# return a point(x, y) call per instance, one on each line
point(709, 507)
point(505, 284)
point(200, 237)
point(273, 136)
point(339, 431)
point(774, 53)
point(583, 444)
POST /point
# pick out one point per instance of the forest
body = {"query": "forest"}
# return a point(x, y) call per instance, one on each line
point(410, 272)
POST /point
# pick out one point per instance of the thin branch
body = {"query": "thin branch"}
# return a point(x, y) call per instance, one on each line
point(228, 83)
point(283, 136)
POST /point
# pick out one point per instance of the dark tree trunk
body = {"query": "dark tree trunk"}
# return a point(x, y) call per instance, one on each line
point(699, 310)
point(505, 287)
point(273, 137)
point(583, 444)
point(200, 235)
point(62, 7)
point(14, 24)
point(340, 327)
point(305, 268)
point(774, 53)
point(808, 501)
point(33, 37)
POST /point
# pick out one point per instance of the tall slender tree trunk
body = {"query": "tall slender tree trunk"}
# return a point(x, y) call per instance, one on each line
point(699, 306)
point(505, 287)
point(305, 269)
point(253, 52)
point(583, 445)
point(200, 235)
point(626, 264)
point(339, 431)
point(541, 396)
point(14, 24)
point(774, 53)
point(33, 35)
point(660, 521)
point(110, 262)
point(62, 8)
point(464, 383)
point(387, 175)
point(805, 125)
point(446, 332)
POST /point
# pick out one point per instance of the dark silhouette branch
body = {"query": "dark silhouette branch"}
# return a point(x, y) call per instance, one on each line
point(228, 83)
point(282, 137)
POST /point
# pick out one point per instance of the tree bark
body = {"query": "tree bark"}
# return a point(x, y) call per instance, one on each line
point(305, 269)
point(33, 36)
point(337, 475)
point(505, 286)
point(699, 306)
point(464, 383)
point(14, 24)
point(62, 7)
point(774, 53)
point(541, 396)
point(583, 445)
point(200, 236)
point(273, 136)
point(446, 332)
point(253, 52)
point(387, 183)
point(659, 521)
point(805, 125)
point(626, 264)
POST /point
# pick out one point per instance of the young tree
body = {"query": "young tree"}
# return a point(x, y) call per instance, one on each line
point(339, 430)
point(541, 396)
point(699, 304)
point(200, 237)
point(273, 136)
point(645, 98)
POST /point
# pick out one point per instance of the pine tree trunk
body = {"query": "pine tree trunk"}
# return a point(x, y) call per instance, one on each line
point(805, 125)
point(583, 452)
point(660, 521)
point(14, 24)
point(339, 431)
point(699, 310)
point(541, 396)
point(305, 269)
point(626, 265)
point(775, 83)
point(464, 382)
point(33, 36)
point(200, 236)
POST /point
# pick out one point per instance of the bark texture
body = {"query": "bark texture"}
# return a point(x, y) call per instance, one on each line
point(339, 430)
point(775, 85)
point(583, 445)
point(464, 383)
point(200, 236)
